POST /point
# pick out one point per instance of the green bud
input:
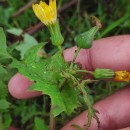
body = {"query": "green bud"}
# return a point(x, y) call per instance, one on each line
point(56, 36)
point(85, 39)
point(103, 73)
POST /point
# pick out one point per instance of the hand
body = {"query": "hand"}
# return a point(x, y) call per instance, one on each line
point(112, 53)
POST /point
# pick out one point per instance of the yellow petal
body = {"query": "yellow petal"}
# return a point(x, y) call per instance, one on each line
point(39, 12)
point(44, 5)
point(52, 2)
point(36, 10)
point(122, 76)
point(52, 5)
point(46, 13)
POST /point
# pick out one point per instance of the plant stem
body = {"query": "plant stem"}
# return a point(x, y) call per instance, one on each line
point(75, 56)
point(90, 109)
point(91, 112)
point(85, 71)
point(60, 49)
point(61, 85)
point(52, 119)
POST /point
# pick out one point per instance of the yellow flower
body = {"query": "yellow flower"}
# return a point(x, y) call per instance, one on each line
point(122, 76)
point(47, 14)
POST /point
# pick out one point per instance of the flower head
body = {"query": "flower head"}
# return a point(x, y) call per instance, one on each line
point(103, 73)
point(122, 76)
point(47, 14)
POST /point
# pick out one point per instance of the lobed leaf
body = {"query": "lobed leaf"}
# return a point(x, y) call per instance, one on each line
point(45, 73)
point(53, 92)
point(70, 98)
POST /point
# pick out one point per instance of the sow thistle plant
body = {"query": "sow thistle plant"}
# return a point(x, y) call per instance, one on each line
point(62, 81)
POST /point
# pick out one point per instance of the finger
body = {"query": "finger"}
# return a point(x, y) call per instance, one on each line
point(128, 128)
point(114, 113)
point(12, 128)
point(110, 52)
point(18, 86)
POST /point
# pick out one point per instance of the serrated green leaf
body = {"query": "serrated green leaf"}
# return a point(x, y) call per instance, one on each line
point(39, 70)
point(53, 92)
point(4, 104)
point(40, 124)
point(70, 98)
point(46, 75)
point(57, 62)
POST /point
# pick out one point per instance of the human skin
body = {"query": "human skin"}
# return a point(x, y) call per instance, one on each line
point(112, 53)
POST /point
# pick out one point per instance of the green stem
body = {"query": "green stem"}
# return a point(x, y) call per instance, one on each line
point(75, 56)
point(84, 71)
point(61, 85)
point(52, 119)
point(91, 112)
point(87, 101)
point(60, 49)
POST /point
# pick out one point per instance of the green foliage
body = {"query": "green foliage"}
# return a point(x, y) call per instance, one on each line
point(115, 24)
point(15, 31)
point(4, 104)
point(46, 75)
point(3, 90)
point(5, 122)
point(40, 124)
point(50, 76)
point(69, 97)
point(27, 42)
point(2, 40)
point(3, 52)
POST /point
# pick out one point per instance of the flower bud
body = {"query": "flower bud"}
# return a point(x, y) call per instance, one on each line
point(56, 36)
point(85, 39)
point(103, 73)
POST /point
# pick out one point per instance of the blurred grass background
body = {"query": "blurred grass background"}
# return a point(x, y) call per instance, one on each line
point(17, 16)
point(73, 16)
